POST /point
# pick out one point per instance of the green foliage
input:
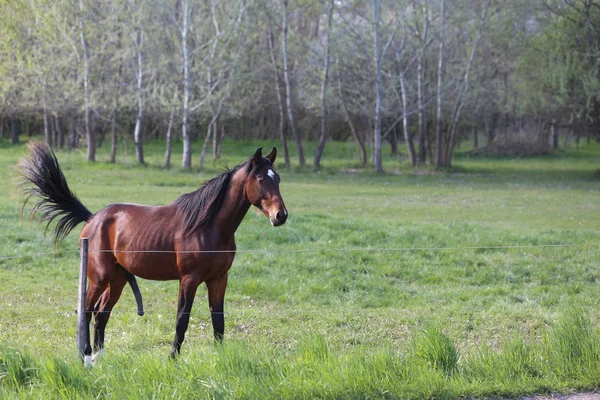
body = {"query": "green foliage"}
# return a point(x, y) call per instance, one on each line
point(559, 67)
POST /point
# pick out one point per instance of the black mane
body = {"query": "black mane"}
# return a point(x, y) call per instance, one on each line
point(200, 207)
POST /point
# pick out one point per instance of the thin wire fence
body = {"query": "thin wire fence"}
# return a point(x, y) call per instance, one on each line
point(316, 249)
point(71, 312)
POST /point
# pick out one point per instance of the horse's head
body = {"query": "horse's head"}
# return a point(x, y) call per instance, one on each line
point(262, 187)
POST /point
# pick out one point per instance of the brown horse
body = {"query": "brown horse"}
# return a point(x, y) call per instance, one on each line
point(190, 240)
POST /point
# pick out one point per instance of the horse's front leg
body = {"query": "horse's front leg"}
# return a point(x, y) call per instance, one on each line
point(216, 296)
point(187, 291)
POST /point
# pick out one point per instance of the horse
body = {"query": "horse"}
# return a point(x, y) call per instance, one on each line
point(191, 240)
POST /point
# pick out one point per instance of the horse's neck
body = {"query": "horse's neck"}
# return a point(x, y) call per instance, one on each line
point(234, 208)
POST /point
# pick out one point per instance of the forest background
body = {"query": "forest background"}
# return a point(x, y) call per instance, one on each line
point(510, 76)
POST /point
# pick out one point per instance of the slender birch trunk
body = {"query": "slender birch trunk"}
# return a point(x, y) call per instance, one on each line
point(422, 154)
point(167, 161)
point(91, 139)
point(348, 119)
point(407, 137)
point(186, 161)
point(377, 161)
point(113, 135)
point(282, 138)
point(439, 142)
point(137, 133)
point(47, 134)
point(464, 88)
point(324, 84)
point(288, 86)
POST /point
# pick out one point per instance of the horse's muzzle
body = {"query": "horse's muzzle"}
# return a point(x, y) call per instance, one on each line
point(279, 218)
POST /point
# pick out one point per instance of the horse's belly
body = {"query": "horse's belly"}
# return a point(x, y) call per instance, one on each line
point(150, 265)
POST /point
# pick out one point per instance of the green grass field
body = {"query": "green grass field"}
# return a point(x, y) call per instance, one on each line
point(480, 282)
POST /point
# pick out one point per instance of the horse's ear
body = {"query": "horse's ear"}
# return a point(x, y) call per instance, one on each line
point(272, 155)
point(257, 156)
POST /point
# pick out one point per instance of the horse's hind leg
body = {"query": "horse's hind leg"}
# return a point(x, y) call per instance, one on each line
point(94, 292)
point(216, 297)
point(107, 301)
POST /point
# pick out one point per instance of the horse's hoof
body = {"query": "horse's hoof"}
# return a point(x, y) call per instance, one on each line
point(88, 362)
point(98, 355)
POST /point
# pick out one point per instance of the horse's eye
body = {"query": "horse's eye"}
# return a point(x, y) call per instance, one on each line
point(260, 179)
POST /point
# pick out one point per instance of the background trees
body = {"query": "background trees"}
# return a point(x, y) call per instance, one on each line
point(508, 76)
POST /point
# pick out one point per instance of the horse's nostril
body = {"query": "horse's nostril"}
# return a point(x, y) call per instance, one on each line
point(281, 216)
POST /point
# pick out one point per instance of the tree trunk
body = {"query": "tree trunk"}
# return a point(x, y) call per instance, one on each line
point(393, 137)
point(217, 137)
point(421, 113)
point(422, 156)
point(89, 133)
point(167, 161)
point(72, 141)
point(14, 129)
point(137, 133)
point(209, 132)
point(113, 136)
point(475, 137)
point(47, 131)
point(288, 86)
point(464, 88)
point(324, 113)
point(60, 133)
point(348, 120)
point(428, 140)
point(186, 161)
point(439, 142)
point(282, 138)
point(212, 126)
point(377, 161)
point(407, 136)
point(137, 136)
point(554, 134)
point(490, 128)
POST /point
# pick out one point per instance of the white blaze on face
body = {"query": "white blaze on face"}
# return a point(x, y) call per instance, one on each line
point(271, 173)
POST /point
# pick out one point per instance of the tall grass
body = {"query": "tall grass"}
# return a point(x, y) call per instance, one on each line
point(427, 367)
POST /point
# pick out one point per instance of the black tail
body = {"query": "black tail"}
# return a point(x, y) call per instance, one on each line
point(43, 178)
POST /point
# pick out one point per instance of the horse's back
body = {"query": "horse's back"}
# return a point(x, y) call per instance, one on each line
point(138, 237)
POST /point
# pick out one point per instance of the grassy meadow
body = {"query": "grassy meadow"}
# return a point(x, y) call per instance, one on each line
point(479, 282)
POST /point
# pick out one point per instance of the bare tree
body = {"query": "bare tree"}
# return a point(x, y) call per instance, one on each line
point(377, 55)
point(325, 82)
point(225, 69)
point(421, 32)
point(460, 98)
point(186, 161)
point(288, 84)
point(278, 84)
point(169, 140)
point(439, 153)
point(404, 100)
point(91, 139)
point(138, 42)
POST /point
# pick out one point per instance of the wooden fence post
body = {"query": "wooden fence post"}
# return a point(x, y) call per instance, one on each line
point(82, 327)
